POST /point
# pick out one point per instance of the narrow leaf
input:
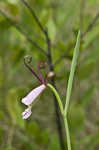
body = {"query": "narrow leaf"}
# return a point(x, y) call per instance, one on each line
point(71, 76)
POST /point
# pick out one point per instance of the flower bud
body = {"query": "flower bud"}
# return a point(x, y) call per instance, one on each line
point(50, 74)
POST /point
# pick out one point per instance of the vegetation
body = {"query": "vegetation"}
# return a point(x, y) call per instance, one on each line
point(47, 30)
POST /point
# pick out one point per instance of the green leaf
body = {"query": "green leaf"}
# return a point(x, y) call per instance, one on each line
point(72, 71)
point(44, 17)
point(51, 28)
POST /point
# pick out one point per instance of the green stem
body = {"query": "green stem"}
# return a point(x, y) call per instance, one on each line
point(67, 133)
point(62, 112)
point(57, 97)
point(69, 88)
point(71, 76)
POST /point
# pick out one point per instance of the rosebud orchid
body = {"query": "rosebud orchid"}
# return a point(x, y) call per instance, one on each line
point(29, 99)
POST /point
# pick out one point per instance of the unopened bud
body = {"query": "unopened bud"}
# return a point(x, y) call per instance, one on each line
point(50, 74)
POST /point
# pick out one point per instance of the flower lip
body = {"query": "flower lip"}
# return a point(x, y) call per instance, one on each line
point(26, 113)
point(33, 95)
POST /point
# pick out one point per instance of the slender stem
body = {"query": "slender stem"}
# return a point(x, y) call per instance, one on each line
point(67, 133)
point(91, 25)
point(62, 112)
point(34, 15)
point(58, 119)
point(63, 55)
point(69, 88)
point(40, 73)
point(71, 76)
point(57, 97)
point(33, 72)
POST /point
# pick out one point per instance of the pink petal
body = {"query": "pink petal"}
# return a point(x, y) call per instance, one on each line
point(33, 95)
point(26, 113)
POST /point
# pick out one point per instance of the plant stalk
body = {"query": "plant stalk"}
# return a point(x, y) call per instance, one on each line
point(69, 88)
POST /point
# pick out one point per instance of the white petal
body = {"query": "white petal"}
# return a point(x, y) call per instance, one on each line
point(33, 95)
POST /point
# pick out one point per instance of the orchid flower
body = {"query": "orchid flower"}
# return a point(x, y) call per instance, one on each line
point(29, 99)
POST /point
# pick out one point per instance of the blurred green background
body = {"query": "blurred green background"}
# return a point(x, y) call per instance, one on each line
point(63, 18)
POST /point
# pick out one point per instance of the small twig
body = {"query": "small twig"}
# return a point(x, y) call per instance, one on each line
point(90, 25)
point(37, 35)
point(31, 70)
point(36, 19)
point(82, 36)
point(34, 15)
point(23, 33)
point(63, 55)
point(58, 119)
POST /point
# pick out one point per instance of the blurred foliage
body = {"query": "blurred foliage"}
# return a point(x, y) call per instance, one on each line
point(62, 19)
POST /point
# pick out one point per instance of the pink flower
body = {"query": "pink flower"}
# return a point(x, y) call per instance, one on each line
point(28, 100)
point(33, 95)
